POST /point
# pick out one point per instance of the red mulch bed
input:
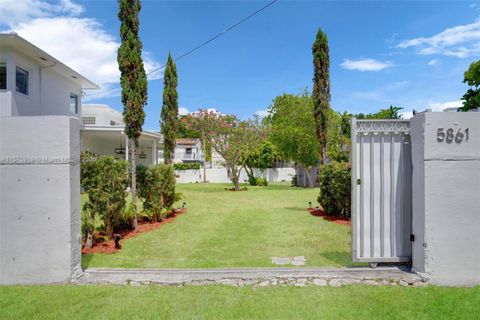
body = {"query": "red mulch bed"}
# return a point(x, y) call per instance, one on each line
point(108, 247)
point(317, 212)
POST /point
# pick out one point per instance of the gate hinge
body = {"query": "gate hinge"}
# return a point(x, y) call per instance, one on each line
point(412, 237)
point(359, 181)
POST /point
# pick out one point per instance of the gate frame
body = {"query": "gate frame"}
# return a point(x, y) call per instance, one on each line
point(353, 159)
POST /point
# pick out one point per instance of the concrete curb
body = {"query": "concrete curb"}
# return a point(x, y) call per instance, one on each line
point(252, 276)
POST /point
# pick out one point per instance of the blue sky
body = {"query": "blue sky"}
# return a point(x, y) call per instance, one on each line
point(409, 54)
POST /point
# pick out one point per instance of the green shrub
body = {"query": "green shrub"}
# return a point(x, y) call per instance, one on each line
point(335, 189)
point(293, 182)
point(186, 166)
point(105, 180)
point(156, 187)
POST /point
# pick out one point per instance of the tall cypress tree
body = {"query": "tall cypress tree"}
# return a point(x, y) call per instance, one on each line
point(133, 81)
point(321, 90)
point(169, 115)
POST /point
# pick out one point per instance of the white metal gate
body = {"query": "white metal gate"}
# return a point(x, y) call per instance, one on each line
point(381, 191)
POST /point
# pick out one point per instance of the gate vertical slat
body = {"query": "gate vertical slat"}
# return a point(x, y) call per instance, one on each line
point(381, 204)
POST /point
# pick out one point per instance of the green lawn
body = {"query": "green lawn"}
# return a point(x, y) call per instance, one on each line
point(236, 229)
point(221, 302)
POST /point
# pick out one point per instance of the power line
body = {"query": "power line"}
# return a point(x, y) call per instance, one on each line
point(203, 43)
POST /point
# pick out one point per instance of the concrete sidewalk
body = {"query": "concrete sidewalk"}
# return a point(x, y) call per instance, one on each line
point(391, 275)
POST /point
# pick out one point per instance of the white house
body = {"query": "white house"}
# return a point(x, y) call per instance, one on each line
point(102, 132)
point(33, 83)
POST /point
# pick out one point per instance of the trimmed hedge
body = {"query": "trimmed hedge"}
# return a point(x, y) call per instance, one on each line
point(186, 166)
point(105, 180)
point(156, 187)
point(335, 189)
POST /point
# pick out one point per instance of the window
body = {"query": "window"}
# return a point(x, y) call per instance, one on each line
point(73, 103)
point(188, 150)
point(88, 120)
point(113, 123)
point(21, 80)
point(3, 75)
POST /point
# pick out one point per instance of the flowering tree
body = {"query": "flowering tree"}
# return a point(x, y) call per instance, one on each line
point(233, 139)
point(203, 122)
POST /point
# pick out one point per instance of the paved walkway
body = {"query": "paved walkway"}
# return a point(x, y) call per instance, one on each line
point(253, 276)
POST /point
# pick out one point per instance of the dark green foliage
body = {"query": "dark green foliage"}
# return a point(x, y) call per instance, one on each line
point(133, 80)
point(132, 73)
point(471, 99)
point(184, 127)
point(186, 166)
point(335, 189)
point(105, 180)
point(156, 187)
point(321, 90)
point(293, 182)
point(261, 158)
point(387, 113)
point(169, 113)
point(257, 181)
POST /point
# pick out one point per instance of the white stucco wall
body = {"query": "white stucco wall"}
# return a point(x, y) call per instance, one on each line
point(48, 91)
point(446, 206)
point(219, 175)
point(39, 199)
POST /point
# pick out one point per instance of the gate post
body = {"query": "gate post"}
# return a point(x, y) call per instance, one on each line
point(39, 199)
point(446, 190)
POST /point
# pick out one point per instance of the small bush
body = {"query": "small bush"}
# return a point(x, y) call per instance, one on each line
point(186, 166)
point(335, 189)
point(293, 182)
point(105, 180)
point(156, 187)
point(257, 181)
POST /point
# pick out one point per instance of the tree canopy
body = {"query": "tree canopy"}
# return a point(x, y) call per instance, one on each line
point(471, 99)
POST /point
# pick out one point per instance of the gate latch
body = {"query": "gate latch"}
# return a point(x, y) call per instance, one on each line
point(359, 181)
point(412, 237)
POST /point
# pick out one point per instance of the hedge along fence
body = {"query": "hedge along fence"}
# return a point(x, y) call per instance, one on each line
point(186, 166)
point(105, 180)
point(156, 187)
point(335, 189)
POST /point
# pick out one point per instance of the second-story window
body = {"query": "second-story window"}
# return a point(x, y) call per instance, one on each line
point(21, 80)
point(188, 150)
point(73, 103)
point(3, 76)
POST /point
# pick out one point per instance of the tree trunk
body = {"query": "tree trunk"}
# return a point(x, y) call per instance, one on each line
point(134, 181)
point(89, 241)
point(324, 155)
point(204, 149)
point(307, 173)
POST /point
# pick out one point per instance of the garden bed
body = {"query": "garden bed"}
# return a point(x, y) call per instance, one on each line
point(108, 247)
point(318, 212)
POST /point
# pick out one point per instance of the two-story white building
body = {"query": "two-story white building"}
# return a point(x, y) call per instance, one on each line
point(33, 83)
point(102, 132)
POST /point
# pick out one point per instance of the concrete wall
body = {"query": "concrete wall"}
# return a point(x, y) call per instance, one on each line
point(219, 175)
point(39, 199)
point(446, 190)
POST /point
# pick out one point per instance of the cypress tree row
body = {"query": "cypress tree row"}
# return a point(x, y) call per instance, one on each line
point(169, 115)
point(321, 90)
point(133, 81)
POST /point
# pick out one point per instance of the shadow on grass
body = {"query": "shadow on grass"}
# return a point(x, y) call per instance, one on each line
point(86, 258)
point(343, 258)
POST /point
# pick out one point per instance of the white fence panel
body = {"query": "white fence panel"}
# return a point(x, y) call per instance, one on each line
point(381, 190)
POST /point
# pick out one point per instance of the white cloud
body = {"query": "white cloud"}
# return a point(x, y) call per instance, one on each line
point(183, 111)
point(365, 64)
point(440, 106)
point(81, 43)
point(460, 41)
point(433, 62)
point(261, 113)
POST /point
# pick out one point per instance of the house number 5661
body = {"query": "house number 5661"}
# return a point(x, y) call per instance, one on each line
point(449, 135)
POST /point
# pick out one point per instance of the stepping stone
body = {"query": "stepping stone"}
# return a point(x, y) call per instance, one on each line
point(281, 261)
point(298, 263)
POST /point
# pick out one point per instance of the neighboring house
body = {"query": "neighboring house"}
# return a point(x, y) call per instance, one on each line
point(187, 150)
point(33, 83)
point(102, 132)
